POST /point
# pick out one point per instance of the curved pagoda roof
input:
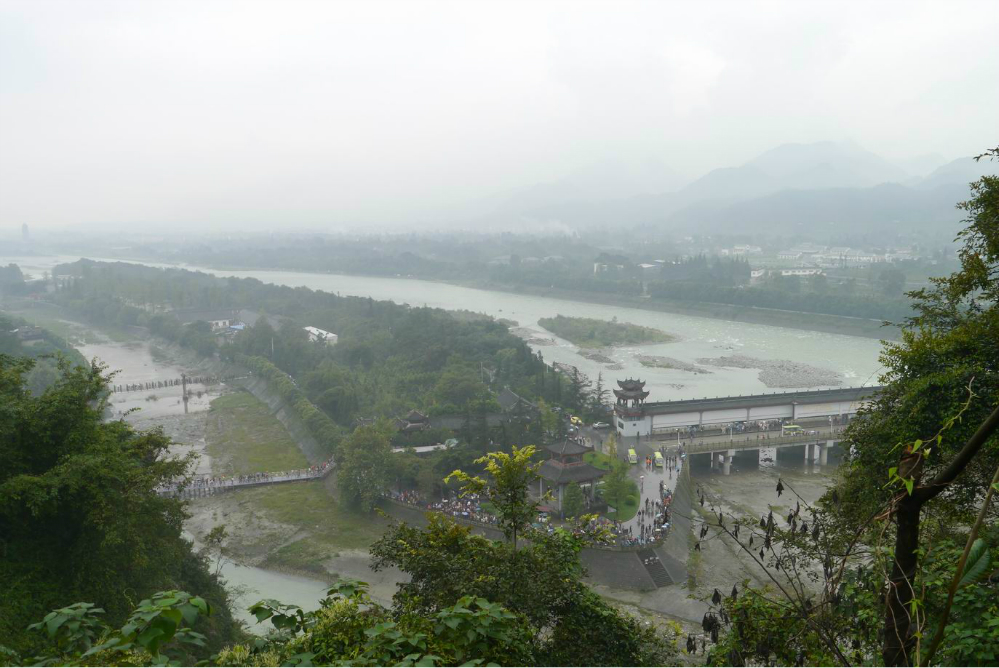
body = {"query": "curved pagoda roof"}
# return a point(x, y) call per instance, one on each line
point(631, 394)
point(556, 474)
point(631, 385)
point(415, 416)
point(568, 447)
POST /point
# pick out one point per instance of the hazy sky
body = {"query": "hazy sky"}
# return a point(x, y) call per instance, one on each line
point(301, 114)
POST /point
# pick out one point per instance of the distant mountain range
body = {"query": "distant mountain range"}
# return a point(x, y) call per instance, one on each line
point(819, 188)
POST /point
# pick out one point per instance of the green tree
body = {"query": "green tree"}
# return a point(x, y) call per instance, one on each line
point(549, 419)
point(363, 467)
point(610, 445)
point(924, 458)
point(950, 345)
point(80, 518)
point(459, 386)
point(618, 486)
point(540, 580)
point(891, 281)
point(508, 488)
point(572, 501)
point(818, 283)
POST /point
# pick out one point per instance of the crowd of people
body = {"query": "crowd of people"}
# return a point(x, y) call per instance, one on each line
point(466, 508)
point(652, 520)
point(225, 481)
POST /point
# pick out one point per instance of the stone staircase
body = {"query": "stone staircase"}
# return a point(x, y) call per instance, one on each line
point(655, 568)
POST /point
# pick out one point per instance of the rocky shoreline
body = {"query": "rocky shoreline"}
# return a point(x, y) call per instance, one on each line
point(660, 362)
point(779, 373)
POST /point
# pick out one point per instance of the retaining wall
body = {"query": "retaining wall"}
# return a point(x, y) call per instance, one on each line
point(677, 543)
point(311, 448)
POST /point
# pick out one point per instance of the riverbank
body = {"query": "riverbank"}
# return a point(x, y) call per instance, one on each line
point(812, 322)
point(815, 322)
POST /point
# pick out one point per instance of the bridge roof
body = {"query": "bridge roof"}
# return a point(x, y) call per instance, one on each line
point(754, 400)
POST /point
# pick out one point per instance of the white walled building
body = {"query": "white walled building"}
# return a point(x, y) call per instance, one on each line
point(316, 334)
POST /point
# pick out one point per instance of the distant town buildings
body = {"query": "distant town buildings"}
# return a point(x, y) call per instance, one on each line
point(24, 232)
point(601, 267)
point(801, 272)
point(741, 250)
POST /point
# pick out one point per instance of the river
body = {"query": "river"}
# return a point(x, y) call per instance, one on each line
point(854, 358)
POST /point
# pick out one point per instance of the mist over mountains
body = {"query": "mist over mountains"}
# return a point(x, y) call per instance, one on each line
point(824, 187)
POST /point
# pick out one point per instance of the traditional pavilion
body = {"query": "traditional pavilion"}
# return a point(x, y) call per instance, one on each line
point(414, 420)
point(566, 466)
point(632, 391)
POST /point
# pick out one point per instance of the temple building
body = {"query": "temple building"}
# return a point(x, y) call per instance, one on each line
point(631, 391)
point(628, 412)
point(414, 420)
point(566, 466)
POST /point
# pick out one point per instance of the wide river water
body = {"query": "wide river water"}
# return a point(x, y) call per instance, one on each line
point(855, 358)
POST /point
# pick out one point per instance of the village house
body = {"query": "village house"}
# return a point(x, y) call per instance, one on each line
point(321, 335)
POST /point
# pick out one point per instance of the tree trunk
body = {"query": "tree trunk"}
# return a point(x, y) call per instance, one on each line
point(899, 641)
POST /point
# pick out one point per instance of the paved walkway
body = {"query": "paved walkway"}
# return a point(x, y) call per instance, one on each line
point(648, 480)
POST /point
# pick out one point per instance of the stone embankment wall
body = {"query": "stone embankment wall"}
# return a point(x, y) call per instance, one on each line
point(677, 543)
point(259, 388)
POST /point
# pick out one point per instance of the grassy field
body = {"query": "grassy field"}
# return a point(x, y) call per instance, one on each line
point(243, 437)
point(592, 333)
point(328, 527)
point(629, 508)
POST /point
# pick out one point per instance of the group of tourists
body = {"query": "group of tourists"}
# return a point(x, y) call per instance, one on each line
point(654, 516)
point(652, 521)
point(228, 481)
point(467, 507)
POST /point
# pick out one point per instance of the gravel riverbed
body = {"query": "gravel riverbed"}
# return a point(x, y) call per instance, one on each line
point(779, 373)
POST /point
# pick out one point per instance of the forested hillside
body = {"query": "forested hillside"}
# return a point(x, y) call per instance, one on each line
point(20, 339)
point(79, 517)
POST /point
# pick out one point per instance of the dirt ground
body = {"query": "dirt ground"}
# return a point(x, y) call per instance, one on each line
point(749, 492)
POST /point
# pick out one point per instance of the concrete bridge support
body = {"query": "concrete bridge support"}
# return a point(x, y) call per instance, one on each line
point(824, 452)
point(726, 460)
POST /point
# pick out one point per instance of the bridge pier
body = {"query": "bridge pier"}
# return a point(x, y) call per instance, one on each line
point(824, 452)
point(726, 460)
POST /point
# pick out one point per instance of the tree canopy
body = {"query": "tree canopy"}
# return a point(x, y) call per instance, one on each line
point(79, 515)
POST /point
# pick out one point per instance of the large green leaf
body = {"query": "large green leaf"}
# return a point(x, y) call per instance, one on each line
point(977, 565)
